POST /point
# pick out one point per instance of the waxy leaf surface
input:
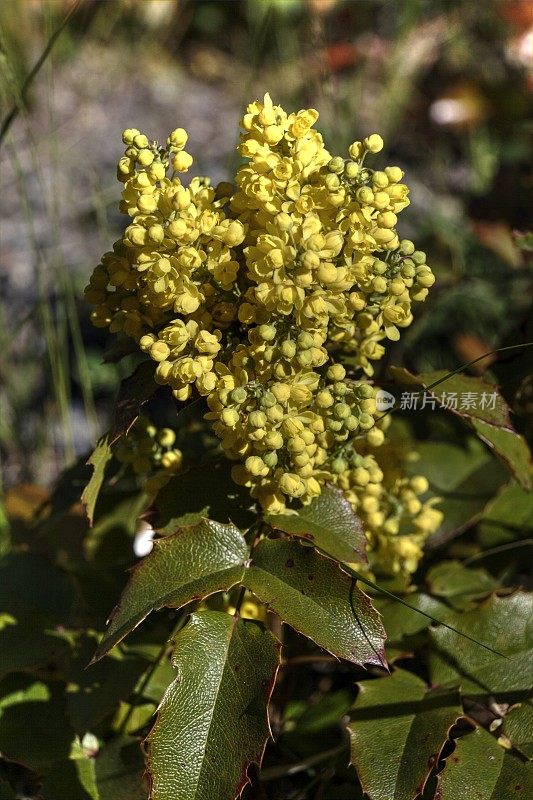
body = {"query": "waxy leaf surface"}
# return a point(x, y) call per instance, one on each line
point(329, 523)
point(213, 722)
point(480, 768)
point(315, 597)
point(194, 562)
point(397, 731)
point(504, 623)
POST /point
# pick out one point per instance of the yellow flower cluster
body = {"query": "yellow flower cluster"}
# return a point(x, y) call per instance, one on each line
point(150, 453)
point(396, 517)
point(250, 295)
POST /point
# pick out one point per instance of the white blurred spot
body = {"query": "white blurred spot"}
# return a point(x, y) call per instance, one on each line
point(448, 111)
point(143, 542)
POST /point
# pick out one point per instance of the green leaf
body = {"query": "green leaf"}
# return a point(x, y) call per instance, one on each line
point(329, 523)
point(96, 692)
point(507, 518)
point(479, 768)
point(510, 447)
point(492, 425)
point(206, 491)
point(73, 777)
point(465, 477)
point(315, 597)
point(505, 622)
point(213, 723)
point(397, 731)
point(193, 563)
point(459, 584)
point(399, 622)
point(99, 459)
point(23, 647)
point(120, 770)
point(31, 585)
point(34, 729)
point(518, 728)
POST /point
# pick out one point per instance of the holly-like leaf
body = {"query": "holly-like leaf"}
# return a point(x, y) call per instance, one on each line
point(482, 407)
point(194, 562)
point(505, 622)
point(518, 728)
point(510, 447)
point(315, 597)
point(459, 584)
point(395, 766)
point(507, 518)
point(329, 523)
point(212, 723)
point(480, 768)
point(99, 459)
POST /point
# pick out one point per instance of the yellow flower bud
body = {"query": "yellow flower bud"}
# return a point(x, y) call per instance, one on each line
point(182, 161)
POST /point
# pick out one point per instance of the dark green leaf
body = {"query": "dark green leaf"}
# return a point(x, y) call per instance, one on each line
point(206, 491)
point(459, 584)
point(193, 563)
point(465, 477)
point(120, 770)
point(479, 768)
point(34, 729)
point(399, 622)
point(329, 523)
point(24, 647)
point(507, 518)
point(492, 425)
point(30, 584)
point(510, 447)
point(397, 730)
point(213, 723)
point(505, 623)
point(518, 727)
point(74, 777)
point(97, 691)
point(315, 597)
point(99, 459)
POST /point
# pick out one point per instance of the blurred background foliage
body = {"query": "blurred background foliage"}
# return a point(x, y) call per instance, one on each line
point(446, 82)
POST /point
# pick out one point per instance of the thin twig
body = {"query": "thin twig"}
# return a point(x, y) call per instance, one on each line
point(273, 773)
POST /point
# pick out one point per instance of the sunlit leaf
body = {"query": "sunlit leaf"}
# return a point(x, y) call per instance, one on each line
point(329, 523)
point(99, 459)
point(315, 597)
point(194, 562)
point(212, 723)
